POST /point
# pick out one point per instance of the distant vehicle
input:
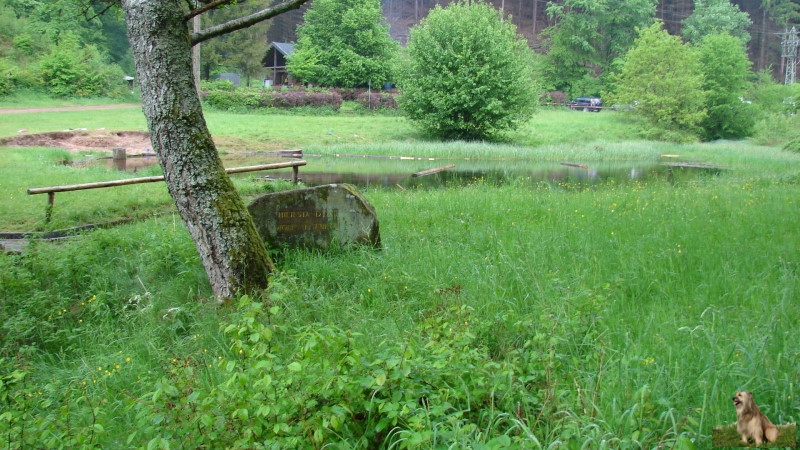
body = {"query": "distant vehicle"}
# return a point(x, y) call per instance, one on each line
point(586, 104)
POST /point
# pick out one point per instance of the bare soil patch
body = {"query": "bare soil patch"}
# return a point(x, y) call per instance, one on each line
point(134, 142)
point(66, 108)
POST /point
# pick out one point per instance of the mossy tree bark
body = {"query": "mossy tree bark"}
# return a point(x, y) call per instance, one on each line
point(231, 250)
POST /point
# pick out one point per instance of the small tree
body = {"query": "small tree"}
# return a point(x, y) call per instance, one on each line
point(230, 248)
point(470, 74)
point(725, 66)
point(662, 77)
point(586, 38)
point(716, 17)
point(343, 43)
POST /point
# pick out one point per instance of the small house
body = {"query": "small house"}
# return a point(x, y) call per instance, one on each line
point(275, 61)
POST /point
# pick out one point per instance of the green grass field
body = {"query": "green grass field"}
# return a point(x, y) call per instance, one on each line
point(519, 315)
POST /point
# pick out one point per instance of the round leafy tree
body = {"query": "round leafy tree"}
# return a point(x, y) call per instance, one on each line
point(343, 43)
point(663, 79)
point(469, 74)
point(725, 65)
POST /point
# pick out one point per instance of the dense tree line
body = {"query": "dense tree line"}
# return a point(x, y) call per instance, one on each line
point(62, 48)
point(532, 17)
point(586, 37)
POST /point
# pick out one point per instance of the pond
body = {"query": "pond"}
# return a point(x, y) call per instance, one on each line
point(410, 173)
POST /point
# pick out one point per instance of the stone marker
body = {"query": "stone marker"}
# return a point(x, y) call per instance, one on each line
point(316, 217)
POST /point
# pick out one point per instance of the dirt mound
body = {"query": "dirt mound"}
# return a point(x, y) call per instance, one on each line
point(134, 142)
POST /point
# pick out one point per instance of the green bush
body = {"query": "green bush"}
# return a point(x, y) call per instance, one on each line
point(725, 67)
point(231, 100)
point(793, 145)
point(663, 78)
point(217, 85)
point(247, 99)
point(775, 129)
point(470, 74)
point(773, 98)
point(377, 100)
point(72, 70)
point(317, 385)
point(6, 77)
point(734, 120)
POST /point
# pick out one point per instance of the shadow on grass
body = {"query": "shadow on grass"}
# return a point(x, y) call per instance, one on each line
point(728, 437)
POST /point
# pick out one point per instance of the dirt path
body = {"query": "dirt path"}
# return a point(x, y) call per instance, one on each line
point(68, 108)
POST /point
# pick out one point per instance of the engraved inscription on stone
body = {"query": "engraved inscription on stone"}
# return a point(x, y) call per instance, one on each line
point(303, 220)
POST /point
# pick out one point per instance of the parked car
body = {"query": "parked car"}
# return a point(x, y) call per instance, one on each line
point(586, 104)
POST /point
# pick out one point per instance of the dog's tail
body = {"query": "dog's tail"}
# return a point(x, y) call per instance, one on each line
point(772, 433)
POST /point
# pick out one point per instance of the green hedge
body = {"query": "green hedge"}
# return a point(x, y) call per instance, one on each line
point(283, 99)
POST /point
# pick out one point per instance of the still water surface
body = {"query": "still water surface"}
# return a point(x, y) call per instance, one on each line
point(373, 172)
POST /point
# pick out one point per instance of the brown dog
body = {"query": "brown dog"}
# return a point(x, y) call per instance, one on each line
point(751, 423)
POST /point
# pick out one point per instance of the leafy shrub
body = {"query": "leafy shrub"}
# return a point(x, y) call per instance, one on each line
point(349, 94)
point(23, 45)
point(555, 97)
point(63, 414)
point(662, 76)
point(773, 98)
point(221, 99)
point(377, 100)
point(245, 99)
point(775, 129)
point(470, 74)
point(23, 78)
point(295, 98)
point(793, 145)
point(735, 120)
point(6, 77)
point(725, 67)
point(72, 70)
point(217, 85)
point(438, 385)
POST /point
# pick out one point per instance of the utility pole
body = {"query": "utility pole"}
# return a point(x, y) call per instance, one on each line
point(790, 45)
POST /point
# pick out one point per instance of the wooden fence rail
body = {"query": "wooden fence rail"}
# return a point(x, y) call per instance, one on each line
point(51, 190)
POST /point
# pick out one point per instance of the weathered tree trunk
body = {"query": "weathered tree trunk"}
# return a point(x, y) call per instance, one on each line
point(230, 248)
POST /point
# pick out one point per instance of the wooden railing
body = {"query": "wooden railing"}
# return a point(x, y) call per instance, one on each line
point(51, 190)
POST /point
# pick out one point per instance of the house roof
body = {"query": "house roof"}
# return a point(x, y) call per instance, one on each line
point(276, 55)
point(283, 47)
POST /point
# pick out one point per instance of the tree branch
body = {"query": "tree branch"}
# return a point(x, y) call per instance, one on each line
point(208, 5)
point(246, 21)
point(96, 15)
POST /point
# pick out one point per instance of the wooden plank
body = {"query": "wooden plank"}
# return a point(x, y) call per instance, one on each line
point(99, 184)
point(432, 171)
point(281, 165)
point(694, 165)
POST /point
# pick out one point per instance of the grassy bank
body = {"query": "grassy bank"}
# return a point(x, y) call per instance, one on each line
point(517, 316)
point(285, 131)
